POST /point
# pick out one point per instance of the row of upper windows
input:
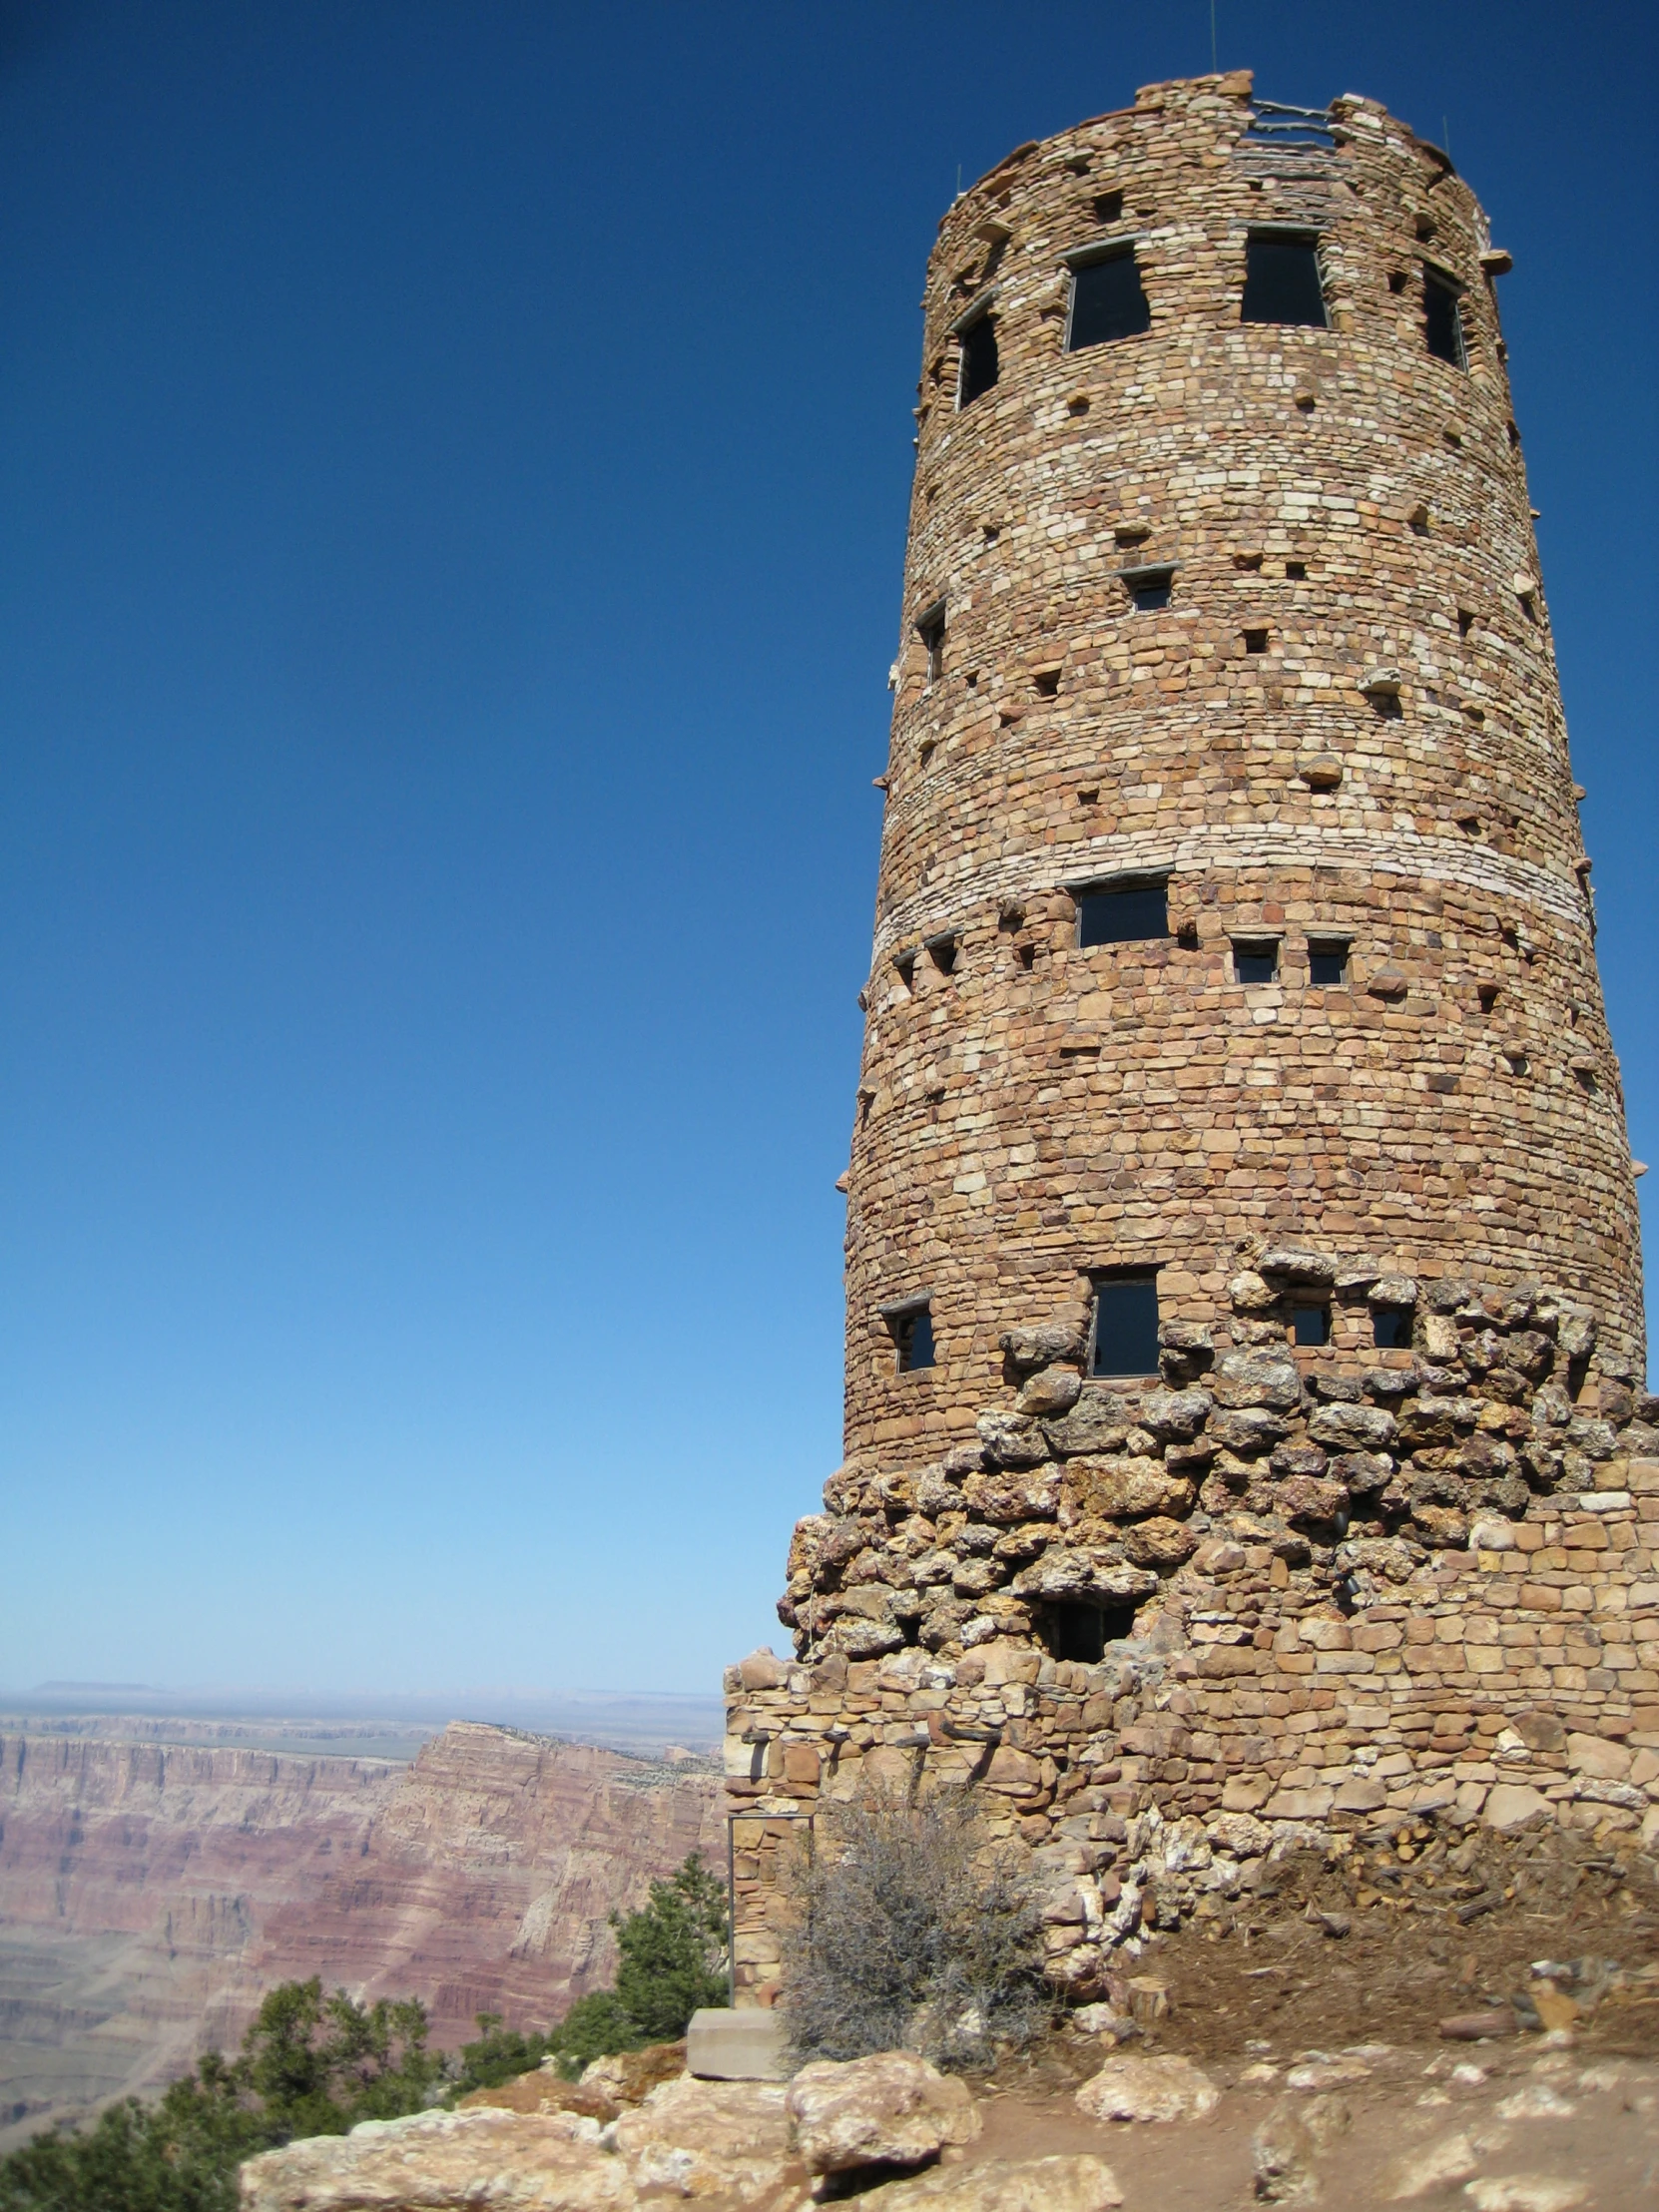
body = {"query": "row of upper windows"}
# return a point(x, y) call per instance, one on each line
point(1137, 911)
point(1282, 285)
point(1122, 1327)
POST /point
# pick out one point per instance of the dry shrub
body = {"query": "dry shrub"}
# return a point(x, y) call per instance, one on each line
point(911, 1930)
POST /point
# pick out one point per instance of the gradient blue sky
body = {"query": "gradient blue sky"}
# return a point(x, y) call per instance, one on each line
point(455, 464)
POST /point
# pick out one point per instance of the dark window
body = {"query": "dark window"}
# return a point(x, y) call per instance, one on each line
point(1125, 1324)
point(1106, 302)
point(930, 630)
point(978, 372)
point(1310, 1325)
point(912, 1332)
point(1148, 587)
point(1258, 962)
point(1295, 570)
point(1328, 962)
point(942, 952)
point(1443, 320)
point(1082, 1632)
point(904, 965)
point(1392, 1326)
point(1124, 915)
point(1255, 640)
point(1108, 207)
point(1282, 282)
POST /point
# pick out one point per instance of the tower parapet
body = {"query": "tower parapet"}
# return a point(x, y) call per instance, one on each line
point(1243, 1267)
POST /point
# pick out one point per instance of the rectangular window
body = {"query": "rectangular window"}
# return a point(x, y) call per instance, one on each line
point(1123, 913)
point(1443, 320)
point(1310, 1325)
point(979, 364)
point(930, 630)
point(1392, 1326)
point(1149, 588)
point(1256, 960)
point(1125, 1324)
point(912, 1332)
point(1282, 281)
point(1328, 962)
point(1107, 302)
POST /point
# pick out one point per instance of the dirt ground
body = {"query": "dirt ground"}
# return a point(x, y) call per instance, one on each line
point(1314, 2005)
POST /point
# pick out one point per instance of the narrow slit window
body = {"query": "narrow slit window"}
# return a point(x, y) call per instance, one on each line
point(1310, 1325)
point(912, 1334)
point(930, 630)
point(1328, 962)
point(1123, 913)
point(1125, 1324)
point(1256, 960)
point(1443, 320)
point(1391, 1327)
point(1282, 281)
point(979, 362)
point(1107, 302)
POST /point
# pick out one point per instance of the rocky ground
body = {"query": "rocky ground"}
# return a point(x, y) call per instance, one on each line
point(1414, 2022)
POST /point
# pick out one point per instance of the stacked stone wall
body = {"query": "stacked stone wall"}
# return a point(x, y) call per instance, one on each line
point(1338, 1585)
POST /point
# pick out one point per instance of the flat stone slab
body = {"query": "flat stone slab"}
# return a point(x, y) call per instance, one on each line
point(749, 2045)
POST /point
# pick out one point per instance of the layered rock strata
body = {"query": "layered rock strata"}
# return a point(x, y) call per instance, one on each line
point(150, 1895)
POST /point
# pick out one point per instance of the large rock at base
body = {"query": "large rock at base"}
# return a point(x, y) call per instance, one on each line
point(629, 2076)
point(476, 2162)
point(1075, 2184)
point(1166, 2088)
point(1514, 1805)
point(894, 2109)
point(707, 2138)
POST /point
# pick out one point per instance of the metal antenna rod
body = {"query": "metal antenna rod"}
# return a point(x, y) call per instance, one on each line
point(1213, 68)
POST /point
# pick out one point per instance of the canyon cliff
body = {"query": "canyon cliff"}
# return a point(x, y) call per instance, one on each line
point(149, 1894)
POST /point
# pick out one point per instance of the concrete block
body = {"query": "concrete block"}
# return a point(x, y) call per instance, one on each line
point(750, 2044)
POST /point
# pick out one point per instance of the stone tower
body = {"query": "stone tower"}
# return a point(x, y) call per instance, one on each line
point(1242, 1247)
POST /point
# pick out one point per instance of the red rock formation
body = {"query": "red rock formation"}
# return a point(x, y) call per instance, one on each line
point(147, 1894)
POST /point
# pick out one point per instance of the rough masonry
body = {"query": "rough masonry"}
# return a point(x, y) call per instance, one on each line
point(1241, 619)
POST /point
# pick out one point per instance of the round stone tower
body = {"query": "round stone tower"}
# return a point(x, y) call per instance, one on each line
point(1232, 891)
point(1244, 1414)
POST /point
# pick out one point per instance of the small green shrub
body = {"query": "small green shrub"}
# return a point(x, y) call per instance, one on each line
point(911, 1930)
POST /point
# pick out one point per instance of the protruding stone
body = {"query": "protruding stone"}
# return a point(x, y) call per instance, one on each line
point(1297, 1264)
point(1049, 1393)
point(1027, 1349)
point(1392, 1292)
point(1250, 1378)
point(1249, 1292)
point(1012, 1439)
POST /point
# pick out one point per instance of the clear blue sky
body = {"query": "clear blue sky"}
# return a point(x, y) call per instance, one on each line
point(455, 464)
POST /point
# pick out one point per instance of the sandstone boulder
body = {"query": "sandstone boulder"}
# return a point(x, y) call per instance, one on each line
point(473, 2161)
point(1173, 1415)
point(1122, 1490)
point(1099, 1421)
point(1159, 1542)
point(707, 2138)
point(1258, 1379)
point(893, 2109)
point(1051, 1391)
point(1163, 2088)
point(1353, 1428)
point(1056, 2184)
point(1012, 1439)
